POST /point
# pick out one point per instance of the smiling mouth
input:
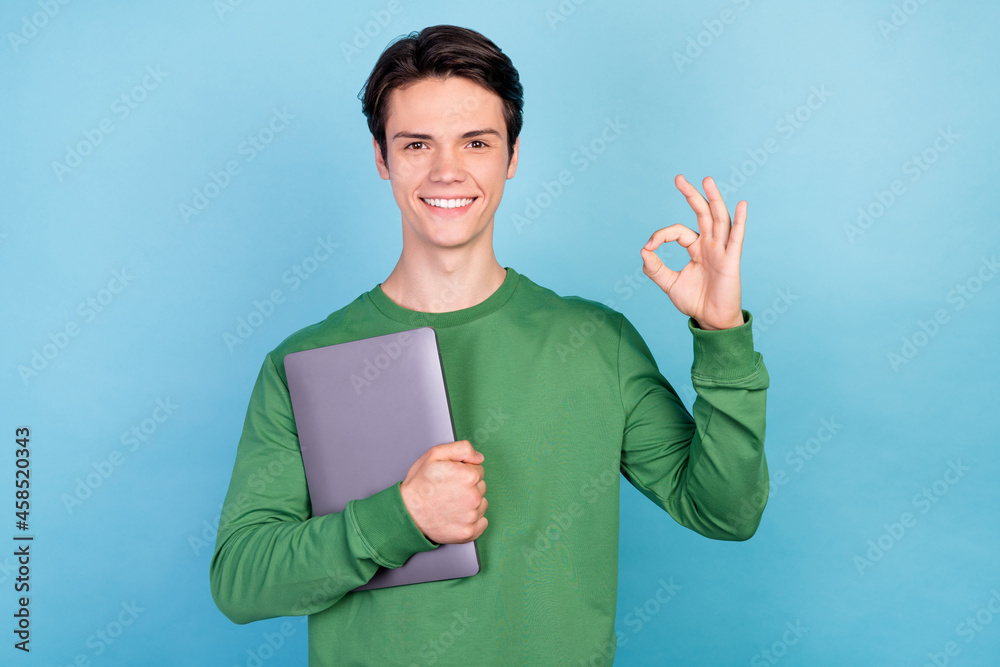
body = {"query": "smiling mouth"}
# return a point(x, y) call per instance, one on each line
point(449, 203)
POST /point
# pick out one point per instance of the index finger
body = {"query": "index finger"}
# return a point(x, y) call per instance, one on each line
point(698, 204)
point(720, 213)
point(460, 450)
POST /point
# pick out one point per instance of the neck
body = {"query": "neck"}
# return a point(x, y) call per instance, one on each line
point(440, 284)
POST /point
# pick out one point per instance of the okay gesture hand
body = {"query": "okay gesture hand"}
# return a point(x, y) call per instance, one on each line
point(707, 289)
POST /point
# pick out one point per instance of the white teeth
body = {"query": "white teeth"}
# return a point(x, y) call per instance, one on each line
point(448, 203)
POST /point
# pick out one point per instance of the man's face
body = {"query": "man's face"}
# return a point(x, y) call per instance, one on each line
point(447, 160)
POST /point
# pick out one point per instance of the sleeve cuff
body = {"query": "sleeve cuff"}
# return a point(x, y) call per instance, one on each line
point(726, 354)
point(386, 527)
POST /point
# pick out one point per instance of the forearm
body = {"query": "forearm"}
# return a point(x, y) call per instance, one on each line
point(272, 557)
point(288, 567)
point(708, 472)
point(726, 479)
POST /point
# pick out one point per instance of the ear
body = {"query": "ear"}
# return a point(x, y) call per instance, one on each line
point(383, 169)
point(513, 159)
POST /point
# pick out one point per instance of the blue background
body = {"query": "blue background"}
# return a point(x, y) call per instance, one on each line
point(832, 299)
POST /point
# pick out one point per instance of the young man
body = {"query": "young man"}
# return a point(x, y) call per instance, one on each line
point(554, 396)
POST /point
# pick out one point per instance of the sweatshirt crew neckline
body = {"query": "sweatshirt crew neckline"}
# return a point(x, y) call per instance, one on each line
point(491, 304)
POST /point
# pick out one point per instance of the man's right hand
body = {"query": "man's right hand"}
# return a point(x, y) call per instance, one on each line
point(445, 493)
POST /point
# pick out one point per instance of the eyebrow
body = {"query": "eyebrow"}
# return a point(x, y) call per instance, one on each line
point(426, 137)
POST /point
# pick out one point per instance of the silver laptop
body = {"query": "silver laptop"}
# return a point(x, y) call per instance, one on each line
point(365, 411)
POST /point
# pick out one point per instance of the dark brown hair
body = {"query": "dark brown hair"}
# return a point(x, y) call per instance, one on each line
point(441, 51)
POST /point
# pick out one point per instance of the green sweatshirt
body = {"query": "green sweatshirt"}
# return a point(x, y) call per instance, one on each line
point(560, 394)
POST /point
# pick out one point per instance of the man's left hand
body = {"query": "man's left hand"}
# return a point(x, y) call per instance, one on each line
point(707, 289)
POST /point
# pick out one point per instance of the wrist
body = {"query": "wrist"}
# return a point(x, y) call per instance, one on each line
point(412, 505)
point(735, 321)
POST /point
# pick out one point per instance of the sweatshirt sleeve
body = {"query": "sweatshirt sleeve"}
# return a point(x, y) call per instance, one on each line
point(708, 472)
point(272, 557)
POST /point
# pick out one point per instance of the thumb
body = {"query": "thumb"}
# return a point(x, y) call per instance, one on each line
point(657, 271)
point(461, 450)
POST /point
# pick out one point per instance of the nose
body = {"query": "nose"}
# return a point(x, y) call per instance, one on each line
point(447, 166)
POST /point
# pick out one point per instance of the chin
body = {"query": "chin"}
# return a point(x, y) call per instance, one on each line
point(450, 237)
point(450, 241)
